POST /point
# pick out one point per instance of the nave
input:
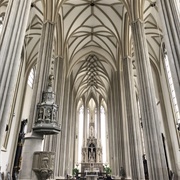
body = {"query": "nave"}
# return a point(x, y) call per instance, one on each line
point(89, 87)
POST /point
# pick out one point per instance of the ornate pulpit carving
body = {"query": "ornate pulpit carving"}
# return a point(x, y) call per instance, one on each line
point(43, 164)
point(46, 115)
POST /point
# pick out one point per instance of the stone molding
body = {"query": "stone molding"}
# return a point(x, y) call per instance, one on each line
point(43, 164)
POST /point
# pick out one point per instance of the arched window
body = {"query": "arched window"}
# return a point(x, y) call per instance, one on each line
point(171, 86)
point(80, 134)
point(31, 77)
point(95, 117)
point(1, 22)
point(88, 120)
point(103, 133)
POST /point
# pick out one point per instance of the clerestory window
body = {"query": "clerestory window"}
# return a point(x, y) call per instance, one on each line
point(80, 135)
point(31, 77)
point(171, 87)
point(103, 133)
point(1, 22)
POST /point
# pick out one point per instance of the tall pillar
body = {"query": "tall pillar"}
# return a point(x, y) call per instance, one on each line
point(33, 143)
point(113, 130)
point(136, 166)
point(124, 140)
point(43, 64)
point(170, 15)
point(42, 73)
point(65, 130)
point(116, 119)
point(11, 43)
point(76, 124)
point(59, 63)
point(110, 130)
point(153, 142)
point(70, 134)
point(73, 136)
point(58, 66)
point(121, 124)
point(116, 126)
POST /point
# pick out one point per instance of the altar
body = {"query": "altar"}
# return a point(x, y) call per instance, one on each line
point(91, 168)
point(91, 163)
point(92, 157)
point(91, 177)
point(91, 173)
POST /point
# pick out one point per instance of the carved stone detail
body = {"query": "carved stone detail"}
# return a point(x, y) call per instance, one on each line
point(46, 114)
point(92, 152)
point(43, 164)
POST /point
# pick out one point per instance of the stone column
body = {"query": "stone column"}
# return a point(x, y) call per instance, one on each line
point(114, 126)
point(11, 43)
point(124, 157)
point(76, 124)
point(58, 66)
point(42, 72)
point(70, 134)
point(43, 67)
point(136, 166)
point(116, 123)
point(59, 63)
point(110, 128)
point(73, 136)
point(65, 130)
point(170, 15)
point(153, 142)
point(33, 143)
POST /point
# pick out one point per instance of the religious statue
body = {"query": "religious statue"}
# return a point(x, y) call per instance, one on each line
point(45, 162)
point(84, 155)
point(48, 114)
point(91, 131)
point(40, 114)
point(92, 155)
point(54, 114)
point(100, 156)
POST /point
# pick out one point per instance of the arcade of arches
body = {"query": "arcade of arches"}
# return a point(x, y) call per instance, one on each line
point(90, 85)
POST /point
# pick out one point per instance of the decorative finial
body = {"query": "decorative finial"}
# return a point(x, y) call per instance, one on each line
point(51, 78)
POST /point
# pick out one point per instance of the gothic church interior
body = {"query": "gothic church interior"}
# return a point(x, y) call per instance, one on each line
point(90, 86)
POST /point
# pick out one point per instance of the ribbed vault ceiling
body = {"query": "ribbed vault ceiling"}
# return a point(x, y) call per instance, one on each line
point(94, 37)
point(92, 31)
